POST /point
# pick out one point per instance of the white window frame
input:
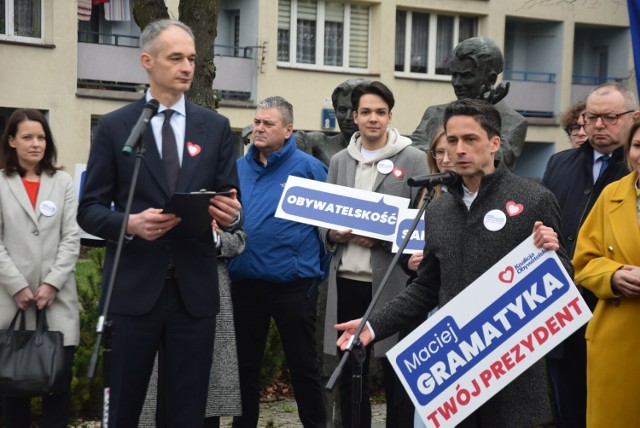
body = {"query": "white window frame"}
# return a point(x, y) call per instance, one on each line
point(10, 29)
point(320, 20)
point(433, 40)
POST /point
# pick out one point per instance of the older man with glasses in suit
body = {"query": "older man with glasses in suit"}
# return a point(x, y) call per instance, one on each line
point(576, 177)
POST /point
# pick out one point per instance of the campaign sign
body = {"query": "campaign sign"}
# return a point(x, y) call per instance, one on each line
point(416, 241)
point(339, 207)
point(489, 334)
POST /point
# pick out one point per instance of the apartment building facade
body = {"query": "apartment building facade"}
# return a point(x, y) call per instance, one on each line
point(555, 52)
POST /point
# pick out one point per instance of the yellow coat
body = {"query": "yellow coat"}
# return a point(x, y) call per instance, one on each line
point(609, 239)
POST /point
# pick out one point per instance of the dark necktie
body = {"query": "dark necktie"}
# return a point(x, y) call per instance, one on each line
point(170, 151)
point(604, 163)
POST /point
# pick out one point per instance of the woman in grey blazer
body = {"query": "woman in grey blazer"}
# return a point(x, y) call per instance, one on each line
point(39, 247)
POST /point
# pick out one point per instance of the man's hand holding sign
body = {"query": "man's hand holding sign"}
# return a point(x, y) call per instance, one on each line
point(543, 237)
point(346, 235)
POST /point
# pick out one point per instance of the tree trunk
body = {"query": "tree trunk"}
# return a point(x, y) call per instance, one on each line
point(202, 17)
point(146, 11)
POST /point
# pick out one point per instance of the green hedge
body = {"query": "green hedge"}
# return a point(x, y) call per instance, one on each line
point(86, 394)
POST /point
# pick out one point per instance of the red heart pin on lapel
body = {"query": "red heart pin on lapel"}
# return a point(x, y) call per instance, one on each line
point(193, 149)
point(507, 275)
point(398, 172)
point(513, 208)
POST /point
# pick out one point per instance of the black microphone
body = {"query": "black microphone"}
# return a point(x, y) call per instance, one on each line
point(150, 109)
point(447, 177)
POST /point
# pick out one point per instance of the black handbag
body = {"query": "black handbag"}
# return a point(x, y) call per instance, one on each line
point(31, 361)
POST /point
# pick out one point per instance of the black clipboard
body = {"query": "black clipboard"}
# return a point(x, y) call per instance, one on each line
point(193, 209)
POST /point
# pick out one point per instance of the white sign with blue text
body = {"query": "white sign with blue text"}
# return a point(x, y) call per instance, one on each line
point(488, 335)
point(416, 241)
point(337, 207)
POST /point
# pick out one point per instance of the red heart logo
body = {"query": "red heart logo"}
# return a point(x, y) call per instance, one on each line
point(193, 149)
point(398, 172)
point(507, 275)
point(513, 208)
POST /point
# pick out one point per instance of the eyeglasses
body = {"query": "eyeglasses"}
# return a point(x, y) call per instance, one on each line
point(574, 130)
point(439, 154)
point(607, 119)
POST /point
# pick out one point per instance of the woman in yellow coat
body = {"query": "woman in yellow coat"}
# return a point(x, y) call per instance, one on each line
point(607, 262)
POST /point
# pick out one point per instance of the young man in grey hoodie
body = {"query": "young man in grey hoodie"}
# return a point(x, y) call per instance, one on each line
point(377, 159)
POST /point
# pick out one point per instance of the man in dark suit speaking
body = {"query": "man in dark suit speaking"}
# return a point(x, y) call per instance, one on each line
point(165, 296)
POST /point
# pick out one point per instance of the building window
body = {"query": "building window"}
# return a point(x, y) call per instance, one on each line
point(20, 19)
point(425, 41)
point(323, 32)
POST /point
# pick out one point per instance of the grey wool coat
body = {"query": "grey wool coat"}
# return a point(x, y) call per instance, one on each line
point(223, 398)
point(342, 171)
point(458, 250)
point(38, 246)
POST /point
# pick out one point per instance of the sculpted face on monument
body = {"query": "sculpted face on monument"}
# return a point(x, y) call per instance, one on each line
point(468, 79)
point(344, 114)
point(323, 146)
point(475, 66)
point(341, 99)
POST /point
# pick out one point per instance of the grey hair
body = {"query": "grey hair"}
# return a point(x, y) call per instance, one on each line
point(628, 95)
point(153, 30)
point(284, 107)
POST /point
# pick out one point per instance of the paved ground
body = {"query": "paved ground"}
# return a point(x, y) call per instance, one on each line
point(284, 414)
point(279, 414)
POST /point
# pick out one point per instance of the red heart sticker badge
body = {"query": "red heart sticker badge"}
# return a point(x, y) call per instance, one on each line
point(507, 275)
point(398, 172)
point(513, 208)
point(193, 149)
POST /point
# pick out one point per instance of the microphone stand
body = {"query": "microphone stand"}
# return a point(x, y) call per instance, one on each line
point(355, 349)
point(105, 327)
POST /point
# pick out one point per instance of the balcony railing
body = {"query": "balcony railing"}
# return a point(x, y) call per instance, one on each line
point(118, 65)
point(530, 76)
point(581, 79)
point(235, 51)
point(112, 62)
point(108, 39)
point(532, 93)
point(582, 85)
point(235, 70)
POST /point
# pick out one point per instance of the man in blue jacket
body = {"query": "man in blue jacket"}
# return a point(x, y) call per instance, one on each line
point(277, 274)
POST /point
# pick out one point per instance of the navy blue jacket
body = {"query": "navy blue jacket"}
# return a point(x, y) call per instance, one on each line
point(569, 176)
point(143, 265)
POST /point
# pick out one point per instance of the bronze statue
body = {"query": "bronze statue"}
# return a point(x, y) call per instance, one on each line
point(323, 146)
point(475, 67)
